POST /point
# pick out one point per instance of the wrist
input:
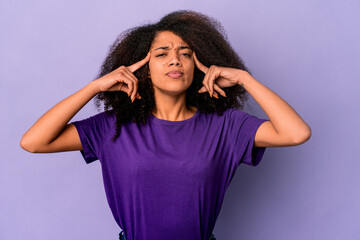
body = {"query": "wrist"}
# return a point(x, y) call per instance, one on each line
point(93, 87)
point(242, 77)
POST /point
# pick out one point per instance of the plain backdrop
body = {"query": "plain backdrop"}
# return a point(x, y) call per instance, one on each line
point(305, 51)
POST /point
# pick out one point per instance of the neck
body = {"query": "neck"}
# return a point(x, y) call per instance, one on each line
point(173, 108)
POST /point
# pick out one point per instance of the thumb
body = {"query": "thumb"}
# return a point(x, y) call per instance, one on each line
point(203, 89)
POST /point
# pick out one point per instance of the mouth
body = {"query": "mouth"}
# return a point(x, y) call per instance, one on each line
point(174, 74)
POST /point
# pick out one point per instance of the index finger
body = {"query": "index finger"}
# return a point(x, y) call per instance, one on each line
point(140, 63)
point(199, 65)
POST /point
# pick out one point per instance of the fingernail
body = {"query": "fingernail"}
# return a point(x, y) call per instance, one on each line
point(215, 95)
point(139, 97)
point(223, 94)
point(210, 94)
point(148, 53)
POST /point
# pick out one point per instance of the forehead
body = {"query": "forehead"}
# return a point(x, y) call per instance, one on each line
point(169, 39)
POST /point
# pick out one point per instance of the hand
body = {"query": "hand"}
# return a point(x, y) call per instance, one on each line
point(122, 79)
point(216, 77)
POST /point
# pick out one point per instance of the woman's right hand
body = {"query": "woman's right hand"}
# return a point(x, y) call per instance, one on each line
point(52, 132)
point(122, 79)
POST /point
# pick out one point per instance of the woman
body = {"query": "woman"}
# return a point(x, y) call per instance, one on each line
point(168, 151)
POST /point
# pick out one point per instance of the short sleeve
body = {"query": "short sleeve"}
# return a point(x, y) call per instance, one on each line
point(92, 132)
point(243, 128)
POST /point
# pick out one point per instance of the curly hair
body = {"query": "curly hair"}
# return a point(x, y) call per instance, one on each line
point(203, 34)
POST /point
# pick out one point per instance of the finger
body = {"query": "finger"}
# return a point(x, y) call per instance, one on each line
point(129, 83)
point(216, 95)
point(207, 90)
point(202, 89)
point(199, 65)
point(136, 85)
point(211, 79)
point(122, 87)
point(132, 77)
point(218, 89)
point(206, 80)
point(130, 74)
point(140, 63)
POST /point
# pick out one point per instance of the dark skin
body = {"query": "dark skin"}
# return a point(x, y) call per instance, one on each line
point(51, 133)
point(285, 128)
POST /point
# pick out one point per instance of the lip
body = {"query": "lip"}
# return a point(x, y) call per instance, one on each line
point(174, 74)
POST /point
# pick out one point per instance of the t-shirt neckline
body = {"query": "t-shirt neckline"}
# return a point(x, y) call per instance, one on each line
point(168, 122)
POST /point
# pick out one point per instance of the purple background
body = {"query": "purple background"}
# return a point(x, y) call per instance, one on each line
point(307, 52)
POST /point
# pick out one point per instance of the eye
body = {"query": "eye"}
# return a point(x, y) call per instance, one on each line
point(163, 54)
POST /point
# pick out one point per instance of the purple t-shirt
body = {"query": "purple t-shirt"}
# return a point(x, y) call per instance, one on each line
point(167, 179)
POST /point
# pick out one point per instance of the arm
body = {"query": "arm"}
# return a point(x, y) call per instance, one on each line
point(286, 127)
point(51, 133)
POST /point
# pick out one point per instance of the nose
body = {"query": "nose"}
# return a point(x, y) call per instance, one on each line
point(174, 59)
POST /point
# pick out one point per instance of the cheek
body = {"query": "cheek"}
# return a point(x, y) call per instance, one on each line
point(154, 67)
point(190, 70)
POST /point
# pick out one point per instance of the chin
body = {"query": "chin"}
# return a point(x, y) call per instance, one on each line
point(171, 89)
point(173, 92)
point(176, 85)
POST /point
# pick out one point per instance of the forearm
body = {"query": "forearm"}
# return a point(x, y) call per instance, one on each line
point(283, 117)
point(49, 125)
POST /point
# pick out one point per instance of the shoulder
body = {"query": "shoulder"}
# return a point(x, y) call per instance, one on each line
point(236, 113)
point(109, 113)
point(232, 114)
point(105, 115)
point(103, 119)
point(226, 117)
point(228, 113)
point(239, 119)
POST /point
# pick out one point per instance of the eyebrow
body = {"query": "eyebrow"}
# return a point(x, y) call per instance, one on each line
point(167, 48)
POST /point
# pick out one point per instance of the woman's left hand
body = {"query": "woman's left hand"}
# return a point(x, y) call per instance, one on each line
point(217, 77)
